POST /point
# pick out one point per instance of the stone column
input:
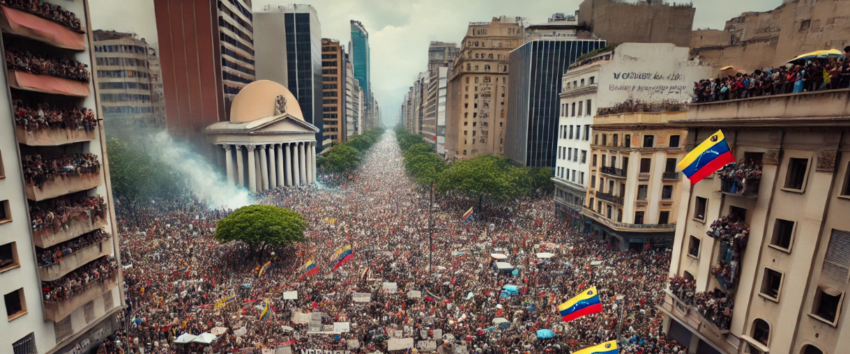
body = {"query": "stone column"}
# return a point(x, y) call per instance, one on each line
point(240, 166)
point(296, 164)
point(302, 158)
point(272, 168)
point(313, 163)
point(287, 149)
point(279, 163)
point(264, 168)
point(252, 170)
point(228, 163)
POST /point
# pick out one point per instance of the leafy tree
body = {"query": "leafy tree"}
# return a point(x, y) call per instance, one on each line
point(425, 168)
point(136, 175)
point(485, 175)
point(417, 149)
point(260, 226)
point(341, 158)
point(361, 142)
point(541, 179)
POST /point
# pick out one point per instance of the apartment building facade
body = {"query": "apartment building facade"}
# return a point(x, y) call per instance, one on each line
point(39, 322)
point(333, 91)
point(353, 123)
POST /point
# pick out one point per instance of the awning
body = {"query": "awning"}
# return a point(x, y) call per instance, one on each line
point(503, 265)
point(498, 256)
point(545, 255)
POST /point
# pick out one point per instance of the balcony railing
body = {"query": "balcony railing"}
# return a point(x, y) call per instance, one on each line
point(670, 175)
point(74, 260)
point(82, 223)
point(747, 188)
point(53, 136)
point(610, 198)
point(59, 185)
point(57, 310)
point(621, 225)
point(689, 316)
point(613, 171)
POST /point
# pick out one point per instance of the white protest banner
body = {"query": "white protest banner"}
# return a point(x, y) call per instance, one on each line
point(342, 327)
point(361, 297)
point(427, 345)
point(414, 294)
point(353, 344)
point(423, 334)
point(283, 350)
point(316, 321)
point(300, 318)
point(438, 334)
point(399, 343)
point(240, 332)
point(290, 295)
point(389, 287)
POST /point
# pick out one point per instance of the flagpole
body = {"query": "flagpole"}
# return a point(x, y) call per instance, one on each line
point(622, 301)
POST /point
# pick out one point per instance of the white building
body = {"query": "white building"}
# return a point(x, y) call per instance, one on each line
point(269, 46)
point(442, 76)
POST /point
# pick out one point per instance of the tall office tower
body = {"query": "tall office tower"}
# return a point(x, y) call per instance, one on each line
point(352, 100)
point(43, 210)
point(536, 70)
point(207, 54)
point(269, 29)
point(128, 78)
point(360, 57)
point(304, 62)
point(333, 91)
point(361, 109)
point(475, 119)
point(440, 56)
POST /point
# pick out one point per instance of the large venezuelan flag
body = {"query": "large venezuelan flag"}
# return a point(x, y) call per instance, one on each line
point(609, 347)
point(708, 157)
point(342, 255)
point(308, 269)
point(586, 303)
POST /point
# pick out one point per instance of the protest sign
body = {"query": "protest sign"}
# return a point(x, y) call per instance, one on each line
point(342, 327)
point(399, 343)
point(290, 295)
point(361, 297)
point(390, 287)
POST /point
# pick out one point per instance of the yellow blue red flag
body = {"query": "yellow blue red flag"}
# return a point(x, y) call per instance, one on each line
point(586, 303)
point(708, 157)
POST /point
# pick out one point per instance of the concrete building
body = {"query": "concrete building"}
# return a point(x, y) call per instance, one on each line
point(536, 68)
point(788, 278)
point(206, 59)
point(362, 61)
point(352, 101)
point(270, 52)
point(558, 26)
point(756, 40)
point(128, 83)
point(37, 320)
point(439, 83)
point(633, 187)
point(333, 92)
point(267, 143)
point(650, 21)
point(440, 57)
point(475, 118)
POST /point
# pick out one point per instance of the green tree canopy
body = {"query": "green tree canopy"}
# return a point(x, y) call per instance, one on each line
point(541, 179)
point(136, 175)
point(261, 225)
point(341, 158)
point(361, 142)
point(425, 168)
point(485, 175)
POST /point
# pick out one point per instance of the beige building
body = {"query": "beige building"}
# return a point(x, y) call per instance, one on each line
point(755, 40)
point(788, 280)
point(32, 209)
point(475, 118)
point(650, 21)
point(333, 91)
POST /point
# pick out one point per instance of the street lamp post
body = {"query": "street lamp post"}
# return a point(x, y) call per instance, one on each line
point(127, 327)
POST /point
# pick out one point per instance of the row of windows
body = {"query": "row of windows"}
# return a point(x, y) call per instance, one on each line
point(329, 115)
point(566, 132)
point(328, 56)
point(648, 140)
point(236, 66)
point(329, 78)
point(565, 109)
point(122, 73)
point(235, 17)
point(120, 49)
point(225, 50)
point(123, 85)
point(126, 110)
point(570, 175)
point(124, 97)
point(122, 62)
point(608, 211)
point(238, 31)
point(236, 78)
point(329, 71)
point(329, 101)
point(565, 153)
point(331, 64)
point(236, 43)
point(329, 86)
point(575, 84)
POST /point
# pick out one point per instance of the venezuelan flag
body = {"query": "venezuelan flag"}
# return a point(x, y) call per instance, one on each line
point(708, 157)
point(266, 313)
point(609, 347)
point(308, 269)
point(263, 269)
point(468, 213)
point(342, 255)
point(586, 303)
point(429, 296)
point(223, 302)
point(364, 274)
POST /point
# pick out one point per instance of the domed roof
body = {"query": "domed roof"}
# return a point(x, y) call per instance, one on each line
point(259, 99)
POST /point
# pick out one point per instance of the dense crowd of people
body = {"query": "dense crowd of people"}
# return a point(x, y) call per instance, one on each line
point(40, 64)
point(49, 11)
point(43, 115)
point(79, 280)
point(38, 170)
point(716, 306)
point(54, 214)
point(741, 178)
point(178, 277)
point(733, 233)
point(814, 75)
point(55, 254)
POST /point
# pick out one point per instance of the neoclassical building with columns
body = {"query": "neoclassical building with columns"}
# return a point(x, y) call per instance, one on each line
point(267, 143)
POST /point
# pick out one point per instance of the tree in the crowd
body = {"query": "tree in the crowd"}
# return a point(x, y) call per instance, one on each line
point(361, 142)
point(486, 175)
point(541, 179)
point(261, 225)
point(340, 159)
point(425, 168)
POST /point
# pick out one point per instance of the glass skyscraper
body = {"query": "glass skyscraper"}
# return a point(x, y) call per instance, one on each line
point(360, 53)
point(536, 69)
point(304, 62)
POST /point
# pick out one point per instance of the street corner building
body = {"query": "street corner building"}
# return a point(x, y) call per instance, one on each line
point(267, 139)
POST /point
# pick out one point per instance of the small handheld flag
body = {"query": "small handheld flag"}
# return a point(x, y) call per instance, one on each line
point(468, 213)
point(223, 302)
point(609, 347)
point(342, 255)
point(707, 158)
point(263, 269)
point(308, 269)
point(586, 303)
point(266, 311)
point(429, 296)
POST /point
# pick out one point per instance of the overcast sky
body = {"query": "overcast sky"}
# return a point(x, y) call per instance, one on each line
point(400, 30)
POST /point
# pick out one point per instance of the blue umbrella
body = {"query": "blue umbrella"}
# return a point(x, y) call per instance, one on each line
point(545, 333)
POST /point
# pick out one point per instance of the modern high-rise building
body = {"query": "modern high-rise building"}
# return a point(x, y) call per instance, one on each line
point(361, 110)
point(361, 59)
point(766, 242)
point(207, 54)
point(304, 61)
point(128, 78)
point(333, 91)
point(475, 118)
point(536, 68)
point(352, 101)
point(440, 57)
point(44, 211)
point(270, 50)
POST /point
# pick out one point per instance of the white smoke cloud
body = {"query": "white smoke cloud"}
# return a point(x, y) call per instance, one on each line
point(203, 180)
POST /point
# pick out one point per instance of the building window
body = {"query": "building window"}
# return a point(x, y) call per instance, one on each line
point(2, 169)
point(571, 132)
point(16, 304)
point(648, 141)
point(584, 156)
point(670, 166)
point(667, 192)
point(845, 191)
point(8, 257)
point(581, 178)
point(604, 139)
point(663, 218)
point(811, 349)
point(827, 304)
point(592, 79)
point(25, 345)
point(836, 264)
point(5, 212)
point(578, 132)
point(693, 249)
point(588, 107)
point(627, 141)
point(761, 331)
point(641, 195)
point(699, 208)
point(645, 164)
point(638, 218)
point(795, 179)
point(783, 234)
point(674, 141)
point(771, 284)
point(573, 110)
point(593, 162)
point(592, 181)
point(587, 132)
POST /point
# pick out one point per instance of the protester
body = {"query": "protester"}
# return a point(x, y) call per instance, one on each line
point(36, 64)
point(38, 171)
point(43, 115)
point(79, 280)
point(51, 12)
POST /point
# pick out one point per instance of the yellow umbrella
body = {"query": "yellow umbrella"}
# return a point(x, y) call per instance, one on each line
point(821, 54)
